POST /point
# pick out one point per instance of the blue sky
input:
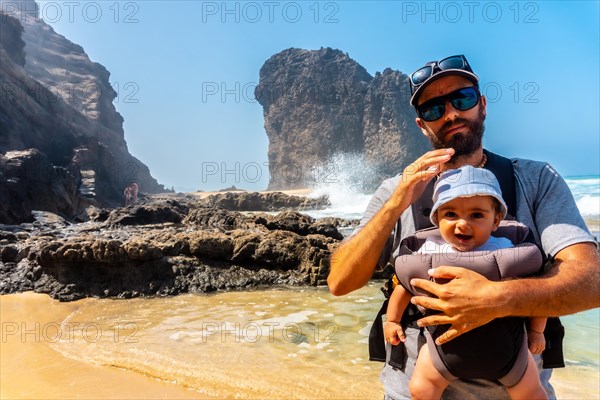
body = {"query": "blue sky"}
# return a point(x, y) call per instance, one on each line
point(185, 72)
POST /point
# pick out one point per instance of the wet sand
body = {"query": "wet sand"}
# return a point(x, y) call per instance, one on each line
point(31, 368)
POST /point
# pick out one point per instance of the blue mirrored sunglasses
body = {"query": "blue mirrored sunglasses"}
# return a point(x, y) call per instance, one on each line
point(461, 99)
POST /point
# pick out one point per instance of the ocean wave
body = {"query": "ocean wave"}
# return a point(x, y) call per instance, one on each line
point(584, 186)
point(584, 180)
point(348, 203)
point(589, 207)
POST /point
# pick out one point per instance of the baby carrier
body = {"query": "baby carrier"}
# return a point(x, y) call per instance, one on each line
point(498, 349)
point(554, 332)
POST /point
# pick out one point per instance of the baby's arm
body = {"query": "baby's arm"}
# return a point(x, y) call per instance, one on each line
point(398, 301)
point(535, 334)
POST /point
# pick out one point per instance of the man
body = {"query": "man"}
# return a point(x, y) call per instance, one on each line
point(451, 113)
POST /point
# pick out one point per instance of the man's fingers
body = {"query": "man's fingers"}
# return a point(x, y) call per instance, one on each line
point(453, 332)
point(424, 284)
point(436, 319)
point(427, 163)
point(447, 272)
point(439, 153)
point(430, 303)
point(461, 299)
point(442, 272)
point(450, 334)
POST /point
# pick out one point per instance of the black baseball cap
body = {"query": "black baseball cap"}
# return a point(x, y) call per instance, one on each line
point(433, 70)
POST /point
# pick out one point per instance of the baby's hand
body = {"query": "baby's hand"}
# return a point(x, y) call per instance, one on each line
point(536, 342)
point(393, 333)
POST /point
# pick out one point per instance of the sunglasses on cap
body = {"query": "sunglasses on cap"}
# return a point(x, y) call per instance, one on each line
point(418, 77)
point(462, 99)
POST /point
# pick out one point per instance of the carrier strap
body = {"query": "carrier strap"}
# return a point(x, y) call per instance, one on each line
point(376, 336)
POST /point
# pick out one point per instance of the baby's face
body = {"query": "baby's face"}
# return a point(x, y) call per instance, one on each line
point(467, 222)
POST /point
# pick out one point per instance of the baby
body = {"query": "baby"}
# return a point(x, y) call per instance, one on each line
point(468, 207)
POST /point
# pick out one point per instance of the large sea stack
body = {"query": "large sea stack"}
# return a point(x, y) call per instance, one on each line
point(62, 144)
point(321, 107)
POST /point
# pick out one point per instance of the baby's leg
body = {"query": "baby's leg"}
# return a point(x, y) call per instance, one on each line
point(426, 382)
point(529, 387)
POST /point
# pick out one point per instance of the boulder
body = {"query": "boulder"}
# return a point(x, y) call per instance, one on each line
point(329, 121)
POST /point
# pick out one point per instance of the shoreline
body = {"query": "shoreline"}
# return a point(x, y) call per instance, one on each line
point(31, 358)
point(28, 358)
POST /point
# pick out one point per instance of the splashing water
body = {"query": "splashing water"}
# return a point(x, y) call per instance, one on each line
point(345, 180)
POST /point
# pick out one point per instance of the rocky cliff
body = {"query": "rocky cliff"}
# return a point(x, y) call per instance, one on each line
point(321, 104)
point(62, 144)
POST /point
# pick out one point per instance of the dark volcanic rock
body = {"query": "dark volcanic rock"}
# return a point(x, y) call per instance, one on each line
point(313, 107)
point(219, 218)
point(294, 221)
point(145, 214)
point(321, 104)
point(11, 39)
point(28, 181)
point(164, 247)
point(59, 103)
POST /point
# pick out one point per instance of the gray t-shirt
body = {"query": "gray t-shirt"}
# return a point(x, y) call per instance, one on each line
point(544, 203)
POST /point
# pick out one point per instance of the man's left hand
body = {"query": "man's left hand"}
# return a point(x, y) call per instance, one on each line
point(467, 301)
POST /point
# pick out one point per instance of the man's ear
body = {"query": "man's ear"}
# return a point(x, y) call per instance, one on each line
point(421, 124)
point(484, 105)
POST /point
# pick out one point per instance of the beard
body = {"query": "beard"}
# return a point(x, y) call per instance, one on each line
point(464, 144)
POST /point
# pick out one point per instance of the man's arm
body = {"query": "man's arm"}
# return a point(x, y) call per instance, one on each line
point(353, 263)
point(469, 300)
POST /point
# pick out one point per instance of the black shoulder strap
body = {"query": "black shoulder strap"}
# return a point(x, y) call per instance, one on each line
point(422, 208)
point(503, 170)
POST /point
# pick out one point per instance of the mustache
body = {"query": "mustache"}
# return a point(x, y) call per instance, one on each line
point(449, 124)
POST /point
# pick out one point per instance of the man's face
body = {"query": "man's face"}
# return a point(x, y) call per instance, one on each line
point(460, 130)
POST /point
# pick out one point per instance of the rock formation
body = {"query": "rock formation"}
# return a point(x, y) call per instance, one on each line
point(320, 104)
point(256, 201)
point(167, 245)
point(62, 144)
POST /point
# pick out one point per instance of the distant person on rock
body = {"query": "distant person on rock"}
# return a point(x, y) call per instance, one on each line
point(134, 193)
point(127, 194)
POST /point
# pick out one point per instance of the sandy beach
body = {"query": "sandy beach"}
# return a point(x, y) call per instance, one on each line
point(29, 327)
point(31, 369)
point(30, 322)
